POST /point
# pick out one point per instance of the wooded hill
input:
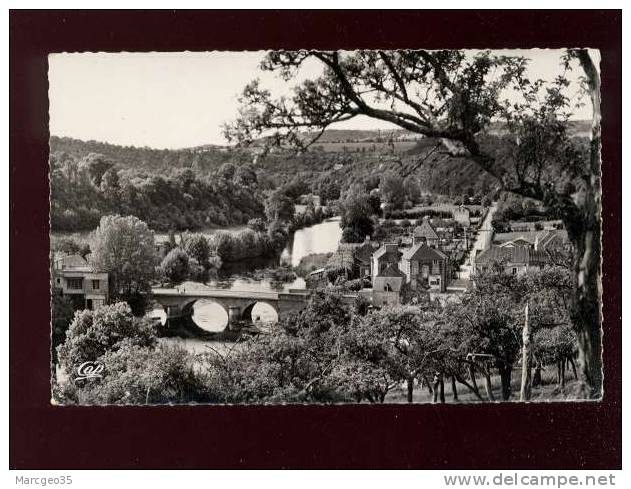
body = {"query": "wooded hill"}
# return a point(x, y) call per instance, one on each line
point(341, 156)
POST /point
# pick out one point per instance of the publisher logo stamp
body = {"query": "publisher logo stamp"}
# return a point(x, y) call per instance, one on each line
point(89, 370)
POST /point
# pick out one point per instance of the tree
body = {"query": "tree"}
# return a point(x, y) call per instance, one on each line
point(391, 189)
point(124, 247)
point(296, 362)
point(412, 188)
point(196, 246)
point(451, 96)
point(279, 206)
point(257, 225)
point(94, 333)
point(175, 267)
point(399, 342)
point(62, 312)
point(227, 171)
point(110, 185)
point(141, 375)
point(95, 165)
point(356, 213)
point(327, 188)
point(245, 175)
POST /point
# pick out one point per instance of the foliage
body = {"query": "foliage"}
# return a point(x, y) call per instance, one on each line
point(196, 247)
point(398, 344)
point(175, 266)
point(412, 188)
point(71, 247)
point(231, 247)
point(391, 189)
point(140, 375)
point(257, 224)
point(124, 247)
point(62, 312)
point(94, 333)
point(356, 219)
point(81, 193)
point(279, 206)
point(293, 364)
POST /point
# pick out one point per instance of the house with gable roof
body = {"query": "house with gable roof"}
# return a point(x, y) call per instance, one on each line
point(426, 233)
point(386, 287)
point(388, 254)
point(426, 266)
point(515, 260)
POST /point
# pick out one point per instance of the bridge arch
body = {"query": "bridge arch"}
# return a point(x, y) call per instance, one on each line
point(262, 310)
point(209, 314)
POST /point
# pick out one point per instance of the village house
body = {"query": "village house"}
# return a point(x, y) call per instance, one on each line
point(425, 232)
point(515, 260)
point(426, 266)
point(388, 254)
point(74, 277)
point(546, 240)
point(386, 288)
point(462, 215)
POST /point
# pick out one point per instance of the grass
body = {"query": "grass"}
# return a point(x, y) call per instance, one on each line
point(550, 391)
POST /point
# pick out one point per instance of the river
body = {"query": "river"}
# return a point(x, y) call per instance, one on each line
point(245, 275)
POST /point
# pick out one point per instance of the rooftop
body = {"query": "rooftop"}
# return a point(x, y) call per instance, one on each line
point(421, 251)
point(391, 271)
point(517, 254)
point(425, 230)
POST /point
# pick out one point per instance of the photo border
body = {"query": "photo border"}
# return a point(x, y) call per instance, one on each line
point(584, 435)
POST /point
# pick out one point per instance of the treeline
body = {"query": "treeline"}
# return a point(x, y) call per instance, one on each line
point(83, 190)
point(324, 173)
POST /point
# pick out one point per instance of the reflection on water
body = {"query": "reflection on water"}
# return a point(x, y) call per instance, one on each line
point(319, 238)
point(209, 315)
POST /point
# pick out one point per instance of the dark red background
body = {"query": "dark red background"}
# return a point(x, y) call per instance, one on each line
point(583, 435)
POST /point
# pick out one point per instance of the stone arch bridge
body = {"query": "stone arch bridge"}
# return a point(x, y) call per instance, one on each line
point(178, 302)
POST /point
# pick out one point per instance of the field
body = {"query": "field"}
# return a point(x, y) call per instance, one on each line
point(364, 146)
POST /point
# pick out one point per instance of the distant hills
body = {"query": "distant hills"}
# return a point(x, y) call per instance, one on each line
point(349, 155)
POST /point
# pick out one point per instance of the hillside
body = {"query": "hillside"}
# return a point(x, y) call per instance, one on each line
point(348, 161)
point(344, 156)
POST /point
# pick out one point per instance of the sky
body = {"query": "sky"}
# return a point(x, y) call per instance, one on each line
point(179, 100)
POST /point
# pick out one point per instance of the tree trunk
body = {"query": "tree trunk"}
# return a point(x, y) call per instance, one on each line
point(487, 383)
point(536, 379)
point(454, 388)
point(410, 383)
point(505, 379)
point(558, 373)
point(435, 390)
point(573, 365)
point(429, 385)
point(563, 373)
point(526, 361)
point(441, 384)
point(585, 233)
point(472, 376)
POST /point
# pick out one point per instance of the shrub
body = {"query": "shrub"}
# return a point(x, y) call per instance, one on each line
point(93, 333)
point(175, 266)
